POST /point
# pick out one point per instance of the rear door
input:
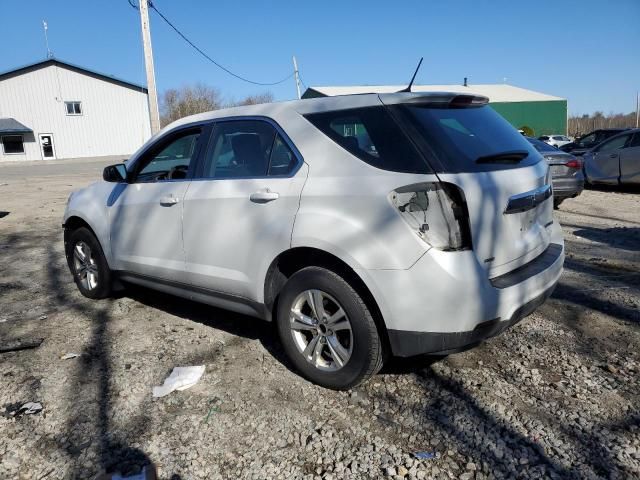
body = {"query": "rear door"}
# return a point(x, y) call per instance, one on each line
point(504, 179)
point(630, 161)
point(603, 163)
point(239, 211)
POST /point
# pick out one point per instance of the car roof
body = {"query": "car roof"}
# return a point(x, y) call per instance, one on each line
point(324, 104)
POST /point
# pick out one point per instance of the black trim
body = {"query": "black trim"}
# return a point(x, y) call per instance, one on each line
point(530, 269)
point(406, 343)
point(187, 289)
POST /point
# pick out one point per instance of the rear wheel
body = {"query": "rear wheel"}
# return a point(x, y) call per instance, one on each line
point(88, 264)
point(327, 330)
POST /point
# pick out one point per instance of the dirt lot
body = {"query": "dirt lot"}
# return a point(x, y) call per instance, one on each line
point(556, 396)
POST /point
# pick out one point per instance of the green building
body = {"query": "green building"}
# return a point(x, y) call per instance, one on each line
point(543, 114)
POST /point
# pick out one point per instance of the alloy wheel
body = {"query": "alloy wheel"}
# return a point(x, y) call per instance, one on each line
point(321, 330)
point(85, 266)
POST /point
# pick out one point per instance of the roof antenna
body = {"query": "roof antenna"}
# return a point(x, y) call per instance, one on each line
point(408, 89)
point(46, 38)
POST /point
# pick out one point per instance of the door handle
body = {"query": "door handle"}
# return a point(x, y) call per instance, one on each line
point(169, 200)
point(264, 196)
point(613, 155)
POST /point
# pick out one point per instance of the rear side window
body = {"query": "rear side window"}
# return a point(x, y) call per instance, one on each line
point(463, 139)
point(247, 149)
point(373, 136)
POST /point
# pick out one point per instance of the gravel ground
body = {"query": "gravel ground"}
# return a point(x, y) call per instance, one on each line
point(557, 396)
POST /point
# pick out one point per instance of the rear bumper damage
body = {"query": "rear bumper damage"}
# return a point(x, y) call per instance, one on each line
point(406, 344)
point(446, 303)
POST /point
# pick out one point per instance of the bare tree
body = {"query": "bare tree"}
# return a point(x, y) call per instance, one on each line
point(579, 125)
point(192, 99)
point(265, 97)
point(188, 100)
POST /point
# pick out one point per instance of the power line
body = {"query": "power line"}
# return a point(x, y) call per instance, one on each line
point(222, 67)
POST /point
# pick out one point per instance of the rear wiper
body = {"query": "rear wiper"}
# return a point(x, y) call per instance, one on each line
point(512, 156)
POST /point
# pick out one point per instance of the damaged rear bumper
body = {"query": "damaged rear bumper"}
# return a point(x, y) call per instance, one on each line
point(446, 303)
point(406, 343)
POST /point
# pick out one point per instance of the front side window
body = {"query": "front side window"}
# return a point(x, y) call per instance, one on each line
point(12, 144)
point(588, 140)
point(246, 149)
point(73, 108)
point(558, 138)
point(635, 141)
point(613, 144)
point(171, 159)
point(372, 135)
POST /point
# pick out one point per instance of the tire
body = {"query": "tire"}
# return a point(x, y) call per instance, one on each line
point(92, 276)
point(360, 345)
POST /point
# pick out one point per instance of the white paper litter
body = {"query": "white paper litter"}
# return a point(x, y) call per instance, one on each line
point(67, 356)
point(181, 378)
point(30, 408)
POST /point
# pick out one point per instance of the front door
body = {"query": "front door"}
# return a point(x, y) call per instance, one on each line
point(603, 166)
point(146, 217)
point(239, 212)
point(46, 146)
point(630, 161)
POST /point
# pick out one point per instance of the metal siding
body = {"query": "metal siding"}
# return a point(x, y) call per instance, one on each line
point(542, 117)
point(114, 120)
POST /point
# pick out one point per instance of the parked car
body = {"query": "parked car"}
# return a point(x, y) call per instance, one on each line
point(363, 225)
point(615, 161)
point(566, 171)
point(555, 140)
point(590, 140)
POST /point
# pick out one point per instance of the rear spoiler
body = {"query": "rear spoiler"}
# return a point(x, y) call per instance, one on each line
point(437, 99)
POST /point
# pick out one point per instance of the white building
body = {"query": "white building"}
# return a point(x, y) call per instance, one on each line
point(53, 109)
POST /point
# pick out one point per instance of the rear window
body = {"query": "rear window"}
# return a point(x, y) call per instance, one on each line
point(542, 146)
point(373, 136)
point(455, 138)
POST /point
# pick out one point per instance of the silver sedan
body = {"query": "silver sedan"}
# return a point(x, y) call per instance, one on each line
point(615, 161)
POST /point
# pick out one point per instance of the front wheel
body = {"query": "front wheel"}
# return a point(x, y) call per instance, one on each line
point(88, 264)
point(327, 330)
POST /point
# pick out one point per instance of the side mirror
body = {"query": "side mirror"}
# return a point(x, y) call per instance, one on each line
point(115, 173)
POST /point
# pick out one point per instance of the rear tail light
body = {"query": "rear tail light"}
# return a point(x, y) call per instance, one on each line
point(436, 212)
point(575, 163)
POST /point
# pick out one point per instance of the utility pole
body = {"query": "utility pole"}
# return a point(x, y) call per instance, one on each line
point(152, 95)
point(295, 69)
point(637, 109)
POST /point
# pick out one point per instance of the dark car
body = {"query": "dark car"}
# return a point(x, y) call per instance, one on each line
point(566, 171)
point(615, 161)
point(590, 140)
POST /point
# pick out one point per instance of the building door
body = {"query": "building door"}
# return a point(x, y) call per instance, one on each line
point(46, 145)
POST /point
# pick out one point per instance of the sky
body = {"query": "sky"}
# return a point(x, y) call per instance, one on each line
point(584, 50)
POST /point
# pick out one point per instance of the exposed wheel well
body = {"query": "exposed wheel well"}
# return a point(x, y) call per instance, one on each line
point(289, 262)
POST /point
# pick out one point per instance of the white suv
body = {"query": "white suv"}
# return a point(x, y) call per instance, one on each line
point(364, 225)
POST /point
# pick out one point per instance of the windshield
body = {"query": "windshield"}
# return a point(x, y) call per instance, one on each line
point(542, 146)
point(459, 137)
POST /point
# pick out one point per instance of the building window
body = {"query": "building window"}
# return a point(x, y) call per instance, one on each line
point(12, 144)
point(73, 108)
